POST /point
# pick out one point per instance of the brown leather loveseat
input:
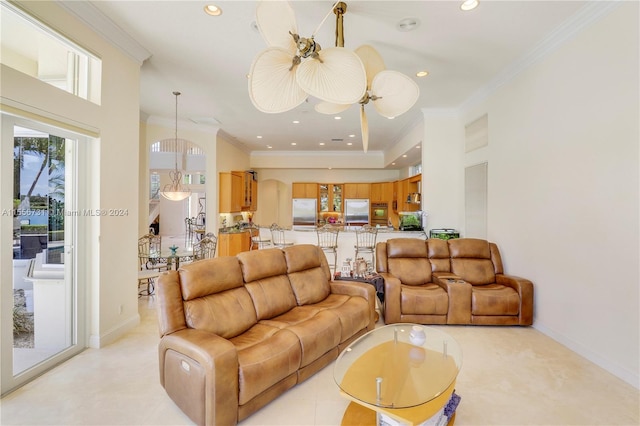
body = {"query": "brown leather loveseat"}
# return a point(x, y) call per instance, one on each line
point(457, 281)
point(238, 331)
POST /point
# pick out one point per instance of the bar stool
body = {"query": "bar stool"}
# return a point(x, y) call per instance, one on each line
point(257, 242)
point(328, 242)
point(278, 237)
point(366, 242)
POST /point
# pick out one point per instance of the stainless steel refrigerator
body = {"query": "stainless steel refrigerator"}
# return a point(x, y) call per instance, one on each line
point(356, 211)
point(305, 212)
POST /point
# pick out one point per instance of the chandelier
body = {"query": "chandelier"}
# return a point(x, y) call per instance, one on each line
point(175, 191)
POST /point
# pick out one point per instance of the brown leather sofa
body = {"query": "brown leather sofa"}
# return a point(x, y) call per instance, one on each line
point(238, 331)
point(457, 281)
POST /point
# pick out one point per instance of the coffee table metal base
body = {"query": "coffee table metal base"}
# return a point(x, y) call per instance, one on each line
point(357, 415)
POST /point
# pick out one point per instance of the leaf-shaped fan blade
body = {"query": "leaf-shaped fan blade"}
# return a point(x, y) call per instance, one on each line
point(274, 20)
point(272, 87)
point(372, 61)
point(364, 127)
point(329, 108)
point(340, 77)
point(396, 93)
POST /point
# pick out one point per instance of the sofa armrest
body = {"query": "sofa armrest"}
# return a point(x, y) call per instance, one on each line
point(355, 288)
point(524, 287)
point(199, 371)
point(392, 291)
point(459, 293)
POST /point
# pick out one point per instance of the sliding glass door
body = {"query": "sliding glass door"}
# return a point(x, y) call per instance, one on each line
point(40, 286)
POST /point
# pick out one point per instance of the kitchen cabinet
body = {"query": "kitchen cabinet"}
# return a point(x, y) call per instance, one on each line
point(232, 243)
point(231, 192)
point(304, 190)
point(382, 192)
point(406, 189)
point(330, 196)
point(357, 190)
point(249, 192)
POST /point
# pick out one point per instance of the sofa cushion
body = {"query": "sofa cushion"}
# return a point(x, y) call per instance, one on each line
point(411, 271)
point(209, 276)
point(439, 255)
point(265, 357)
point(271, 296)
point(427, 299)
point(309, 280)
point(474, 271)
point(406, 247)
point(226, 314)
point(259, 264)
point(318, 335)
point(494, 299)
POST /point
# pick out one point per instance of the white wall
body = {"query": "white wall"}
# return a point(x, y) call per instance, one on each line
point(111, 256)
point(563, 188)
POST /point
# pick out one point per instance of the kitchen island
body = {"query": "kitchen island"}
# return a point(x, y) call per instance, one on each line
point(346, 238)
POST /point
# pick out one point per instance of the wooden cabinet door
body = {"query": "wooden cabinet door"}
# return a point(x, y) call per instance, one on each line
point(230, 192)
point(304, 190)
point(233, 243)
point(356, 190)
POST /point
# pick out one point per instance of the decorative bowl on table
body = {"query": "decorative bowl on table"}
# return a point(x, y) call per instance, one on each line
point(174, 250)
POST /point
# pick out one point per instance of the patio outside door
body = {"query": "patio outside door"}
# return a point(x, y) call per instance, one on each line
point(39, 281)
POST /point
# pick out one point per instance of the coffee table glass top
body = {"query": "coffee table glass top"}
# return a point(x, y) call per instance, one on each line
point(395, 367)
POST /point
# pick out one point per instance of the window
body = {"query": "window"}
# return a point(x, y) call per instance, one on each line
point(32, 48)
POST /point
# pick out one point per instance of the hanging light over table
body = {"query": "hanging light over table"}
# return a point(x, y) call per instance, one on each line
point(176, 191)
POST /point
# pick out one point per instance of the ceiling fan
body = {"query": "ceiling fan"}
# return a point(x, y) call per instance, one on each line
point(284, 74)
point(391, 93)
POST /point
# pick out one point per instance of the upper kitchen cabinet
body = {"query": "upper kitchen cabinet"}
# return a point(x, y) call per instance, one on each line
point(231, 192)
point(304, 190)
point(357, 190)
point(330, 196)
point(409, 197)
point(381, 192)
point(249, 191)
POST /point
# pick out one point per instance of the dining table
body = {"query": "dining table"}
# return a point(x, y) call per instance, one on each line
point(169, 257)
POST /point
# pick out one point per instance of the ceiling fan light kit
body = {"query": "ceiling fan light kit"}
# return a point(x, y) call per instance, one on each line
point(292, 67)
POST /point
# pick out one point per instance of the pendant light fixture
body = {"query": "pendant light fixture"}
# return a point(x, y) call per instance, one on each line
point(176, 191)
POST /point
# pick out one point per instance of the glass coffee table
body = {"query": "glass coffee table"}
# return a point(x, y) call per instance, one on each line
point(402, 373)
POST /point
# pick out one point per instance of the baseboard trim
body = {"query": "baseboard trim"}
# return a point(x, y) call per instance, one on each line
point(617, 370)
point(110, 336)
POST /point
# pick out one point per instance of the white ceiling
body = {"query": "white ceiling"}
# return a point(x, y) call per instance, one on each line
point(207, 59)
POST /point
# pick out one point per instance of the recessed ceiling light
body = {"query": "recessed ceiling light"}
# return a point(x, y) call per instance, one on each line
point(393, 164)
point(349, 143)
point(213, 10)
point(296, 122)
point(269, 146)
point(407, 24)
point(293, 144)
point(469, 5)
point(321, 143)
point(390, 118)
point(418, 146)
point(352, 136)
point(337, 117)
point(404, 155)
point(422, 73)
point(259, 137)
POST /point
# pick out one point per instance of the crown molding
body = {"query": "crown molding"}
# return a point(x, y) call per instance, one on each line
point(588, 14)
point(91, 16)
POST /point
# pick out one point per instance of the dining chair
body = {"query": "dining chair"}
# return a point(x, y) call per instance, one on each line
point(328, 242)
point(278, 237)
point(204, 249)
point(150, 262)
point(366, 242)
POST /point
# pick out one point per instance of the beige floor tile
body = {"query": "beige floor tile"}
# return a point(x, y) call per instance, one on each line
point(510, 376)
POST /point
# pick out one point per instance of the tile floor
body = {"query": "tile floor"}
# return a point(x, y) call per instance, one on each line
point(510, 376)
